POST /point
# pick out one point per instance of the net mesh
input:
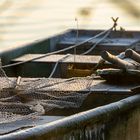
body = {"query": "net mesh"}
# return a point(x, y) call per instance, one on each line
point(20, 99)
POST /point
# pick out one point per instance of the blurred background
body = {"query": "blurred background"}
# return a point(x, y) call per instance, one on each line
point(24, 21)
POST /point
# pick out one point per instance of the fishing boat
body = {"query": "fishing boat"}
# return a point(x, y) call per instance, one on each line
point(52, 92)
point(84, 49)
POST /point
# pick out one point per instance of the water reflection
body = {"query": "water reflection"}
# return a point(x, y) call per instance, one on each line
point(5, 5)
point(85, 12)
point(129, 6)
point(28, 20)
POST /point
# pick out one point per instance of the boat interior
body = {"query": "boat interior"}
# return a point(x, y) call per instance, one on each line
point(36, 60)
point(78, 63)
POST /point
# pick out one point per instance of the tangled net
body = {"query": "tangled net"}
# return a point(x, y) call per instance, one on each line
point(33, 97)
point(19, 100)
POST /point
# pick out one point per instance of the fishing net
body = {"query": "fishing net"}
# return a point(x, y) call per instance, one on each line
point(26, 98)
point(33, 97)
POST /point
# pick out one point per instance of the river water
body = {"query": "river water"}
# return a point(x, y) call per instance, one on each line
point(23, 21)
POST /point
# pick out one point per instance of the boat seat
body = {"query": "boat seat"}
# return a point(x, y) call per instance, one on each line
point(101, 92)
point(43, 66)
point(97, 85)
point(69, 65)
point(79, 59)
point(109, 44)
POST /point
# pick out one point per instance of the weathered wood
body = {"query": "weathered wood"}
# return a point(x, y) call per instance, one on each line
point(133, 55)
point(97, 86)
point(86, 59)
point(45, 65)
point(99, 92)
point(120, 76)
point(117, 61)
point(110, 44)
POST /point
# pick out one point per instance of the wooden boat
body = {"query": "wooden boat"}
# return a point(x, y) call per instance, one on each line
point(118, 120)
point(109, 112)
point(116, 42)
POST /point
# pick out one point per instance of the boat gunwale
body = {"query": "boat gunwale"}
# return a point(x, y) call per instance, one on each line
point(63, 126)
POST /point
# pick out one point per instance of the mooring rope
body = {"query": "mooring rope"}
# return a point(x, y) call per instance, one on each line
point(56, 64)
point(88, 51)
point(58, 51)
point(98, 42)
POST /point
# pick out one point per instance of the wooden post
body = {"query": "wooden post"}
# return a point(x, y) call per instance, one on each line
point(133, 55)
point(117, 61)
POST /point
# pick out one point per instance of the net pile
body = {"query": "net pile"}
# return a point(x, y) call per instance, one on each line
point(33, 97)
point(36, 97)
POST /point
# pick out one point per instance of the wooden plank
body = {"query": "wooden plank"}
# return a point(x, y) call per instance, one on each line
point(81, 85)
point(85, 59)
point(109, 44)
point(101, 93)
point(106, 42)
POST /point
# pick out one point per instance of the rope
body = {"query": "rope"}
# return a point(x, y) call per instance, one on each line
point(71, 47)
point(99, 41)
point(58, 51)
point(56, 64)
point(115, 20)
